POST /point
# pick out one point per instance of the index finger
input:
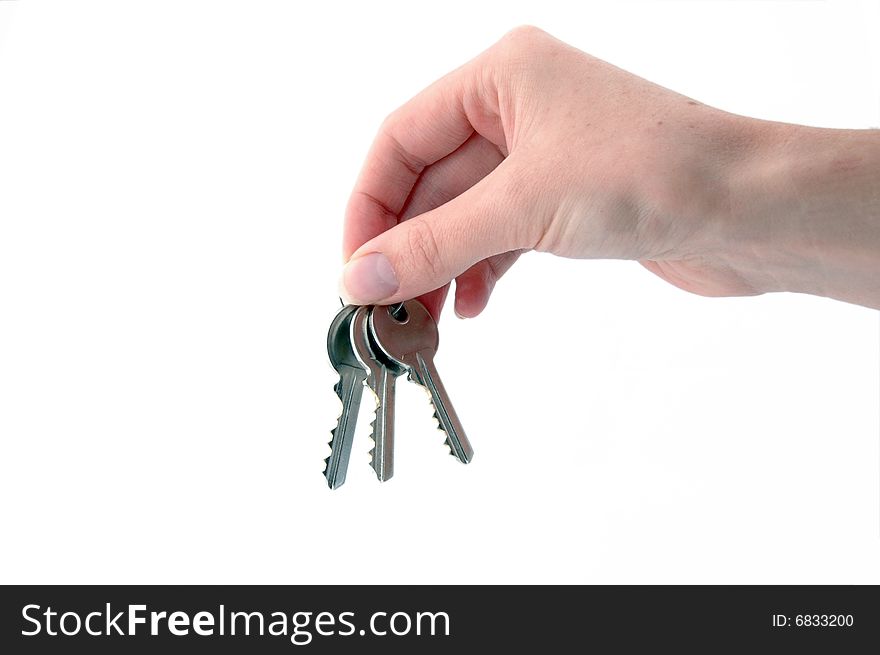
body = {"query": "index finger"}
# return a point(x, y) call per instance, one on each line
point(428, 127)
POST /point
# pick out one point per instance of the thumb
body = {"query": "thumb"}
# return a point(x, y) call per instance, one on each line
point(427, 251)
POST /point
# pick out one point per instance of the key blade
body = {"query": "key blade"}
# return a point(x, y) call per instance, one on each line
point(425, 374)
point(382, 454)
point(349, 389)
point(381, 375)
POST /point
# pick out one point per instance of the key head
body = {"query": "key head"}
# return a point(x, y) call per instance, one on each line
point(339, 346)
point(403, 331)
point(365, 348)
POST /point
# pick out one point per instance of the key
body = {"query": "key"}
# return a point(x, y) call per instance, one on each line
point(407, 334)
point(382, 374)
point(349, 389)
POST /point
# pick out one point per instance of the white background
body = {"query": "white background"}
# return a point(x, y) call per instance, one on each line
point(172, 182)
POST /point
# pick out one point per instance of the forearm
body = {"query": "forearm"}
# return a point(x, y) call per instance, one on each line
point(804, 212)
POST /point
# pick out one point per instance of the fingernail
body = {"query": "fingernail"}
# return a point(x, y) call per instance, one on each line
point(368, 279)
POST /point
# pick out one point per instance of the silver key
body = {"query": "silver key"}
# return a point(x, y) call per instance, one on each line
point(407, 335)
point(349, 389)
point(381, 376)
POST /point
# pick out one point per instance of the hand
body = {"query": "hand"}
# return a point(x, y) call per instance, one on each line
point(535, 145)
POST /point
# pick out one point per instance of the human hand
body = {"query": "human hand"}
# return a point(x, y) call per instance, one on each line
point(535, 145)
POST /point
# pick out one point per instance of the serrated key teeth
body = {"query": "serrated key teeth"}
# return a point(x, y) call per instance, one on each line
point(464, 458)
point(464, 455)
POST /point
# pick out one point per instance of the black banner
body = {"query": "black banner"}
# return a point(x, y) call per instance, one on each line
point(289, 619)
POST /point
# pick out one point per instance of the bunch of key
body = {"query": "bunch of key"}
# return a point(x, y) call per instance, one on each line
point(376, 345)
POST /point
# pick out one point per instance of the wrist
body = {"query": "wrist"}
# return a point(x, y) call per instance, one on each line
point(803, 211)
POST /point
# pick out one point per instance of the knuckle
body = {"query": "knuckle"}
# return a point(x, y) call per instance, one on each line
point(392, 124)
point(523, 35)
point(519, 52)
point(521, 42)
point(423, 248)
point(390, 120)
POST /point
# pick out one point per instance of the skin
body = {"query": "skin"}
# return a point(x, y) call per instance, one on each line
point(535, 145)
